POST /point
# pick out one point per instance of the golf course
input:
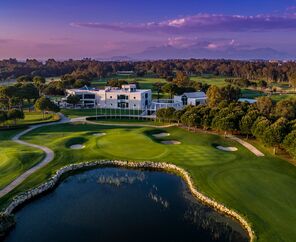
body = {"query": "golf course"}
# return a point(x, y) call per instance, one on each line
point(259, 188)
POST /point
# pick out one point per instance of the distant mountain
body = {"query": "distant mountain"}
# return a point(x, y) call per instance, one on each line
point(170, 52)
point(121, 58)
point(114, 58)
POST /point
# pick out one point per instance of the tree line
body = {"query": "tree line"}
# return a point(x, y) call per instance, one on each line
point(274, 124)
point(252, 70)
point(27, 92)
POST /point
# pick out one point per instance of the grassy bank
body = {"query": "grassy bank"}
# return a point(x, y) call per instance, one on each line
point(15, 159)
point(74, 113)
point(261, 188)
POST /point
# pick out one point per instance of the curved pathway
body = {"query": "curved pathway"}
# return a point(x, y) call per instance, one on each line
point(49, 155)
point(84, 120)
point(247, 145)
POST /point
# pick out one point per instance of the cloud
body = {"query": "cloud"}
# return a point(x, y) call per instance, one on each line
point(204, 23)
point(291, 8)
point(189, 42)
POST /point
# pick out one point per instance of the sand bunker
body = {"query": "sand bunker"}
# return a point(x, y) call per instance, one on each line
point(171, 142)
point(99, 134)
point(229, 149)
point(160, 135)
point(77, 147)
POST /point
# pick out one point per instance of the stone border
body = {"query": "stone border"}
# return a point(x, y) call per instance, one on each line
point(53, 181)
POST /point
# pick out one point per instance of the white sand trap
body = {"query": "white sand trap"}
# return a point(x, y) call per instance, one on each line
point(99, 134)
point(171, 142)
point(229, 149)
point(77, 147)
point(160, 135)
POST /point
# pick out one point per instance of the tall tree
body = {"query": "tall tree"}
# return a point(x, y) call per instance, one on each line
point(247, 122)
point(157, 87)
point(45, 104)
point(289, 143)
point(264, 105)
point(275, 133)
point(170, 88)
point(73, 99)
point(182, 80)
point(286, 109)
point(292, 79)
point(15, 114)
point(3, 116)
point(214, 96)
point(259, 127)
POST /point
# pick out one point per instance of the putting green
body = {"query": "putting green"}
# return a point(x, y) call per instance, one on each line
point(122, 145)
point(261, 188)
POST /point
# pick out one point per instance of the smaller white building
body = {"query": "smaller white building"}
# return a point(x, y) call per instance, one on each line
point(191, 98)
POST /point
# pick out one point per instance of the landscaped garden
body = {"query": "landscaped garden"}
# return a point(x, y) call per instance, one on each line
point(260, 188)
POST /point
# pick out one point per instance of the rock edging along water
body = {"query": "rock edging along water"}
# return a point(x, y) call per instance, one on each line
point(26, 196)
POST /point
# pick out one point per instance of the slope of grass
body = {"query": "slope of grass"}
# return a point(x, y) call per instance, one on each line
point(15, 159)
point(261, 188)
point(37, 117)
point(74, 113)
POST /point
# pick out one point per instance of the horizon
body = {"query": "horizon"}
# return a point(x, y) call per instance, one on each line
point(151, 30)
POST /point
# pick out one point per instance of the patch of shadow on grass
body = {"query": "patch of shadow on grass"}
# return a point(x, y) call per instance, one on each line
point(75, 141)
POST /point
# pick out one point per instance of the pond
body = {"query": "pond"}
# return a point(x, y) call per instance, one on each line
point(115, 204)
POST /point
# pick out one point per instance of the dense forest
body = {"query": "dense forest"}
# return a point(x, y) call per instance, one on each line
point(88, 68)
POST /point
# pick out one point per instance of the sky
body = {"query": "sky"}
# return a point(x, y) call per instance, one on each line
point(64, 29)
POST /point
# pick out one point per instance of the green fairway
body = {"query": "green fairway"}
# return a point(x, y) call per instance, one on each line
point(280, 97)
point(144, 82)
point(211, 80)
point(260, 188)
point(15, 159)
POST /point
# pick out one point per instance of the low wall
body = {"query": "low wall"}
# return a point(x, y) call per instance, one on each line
point(26, 196)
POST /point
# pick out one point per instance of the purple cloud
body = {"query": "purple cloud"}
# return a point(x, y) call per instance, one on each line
point(204, 23)
point(213, 44)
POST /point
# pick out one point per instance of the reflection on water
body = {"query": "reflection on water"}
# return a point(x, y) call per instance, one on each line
point(115, 204)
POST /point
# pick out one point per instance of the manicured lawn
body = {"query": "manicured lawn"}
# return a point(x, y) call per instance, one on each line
point(37, 117)
point(278, 97)
point(261, 188)
point(74, 113)
point(15, 159)
point(34, 118)
point(144, 82)
point(211, 80)
point(128, 121)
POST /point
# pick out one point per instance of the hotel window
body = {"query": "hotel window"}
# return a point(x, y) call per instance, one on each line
point(89, 96)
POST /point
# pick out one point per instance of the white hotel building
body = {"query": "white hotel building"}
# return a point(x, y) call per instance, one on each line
point(126, 97)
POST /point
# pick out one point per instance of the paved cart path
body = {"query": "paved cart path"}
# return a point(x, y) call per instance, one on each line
point(49, 155)
point(247, 145)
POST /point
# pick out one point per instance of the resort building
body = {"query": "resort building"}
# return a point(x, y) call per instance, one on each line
point(191, 98)
point(126, 97)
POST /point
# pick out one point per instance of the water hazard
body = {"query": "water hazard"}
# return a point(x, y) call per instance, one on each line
point(115, 204)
